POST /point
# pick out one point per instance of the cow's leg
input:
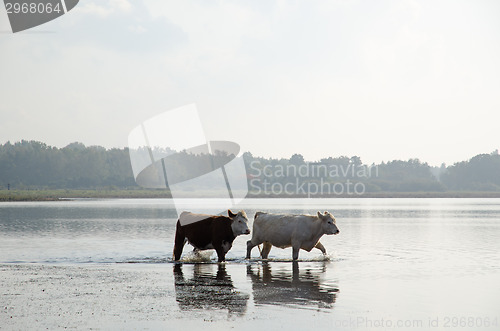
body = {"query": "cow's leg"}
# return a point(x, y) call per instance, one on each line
point(250, 245)
point(220, 253)
point(266, 248)
point(321, 247)
point(180, 240)
point(295, 250)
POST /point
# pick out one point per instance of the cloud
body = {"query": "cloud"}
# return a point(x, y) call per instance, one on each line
point(94, 9)
point(119, 26)
point(104, 10)
point(121, 5)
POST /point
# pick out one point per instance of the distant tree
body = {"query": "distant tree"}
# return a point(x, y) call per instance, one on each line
point(76, 146)
point(33, 164)
point(356, 161)
point(406, 176)
point(480, 173)
point(297, 159)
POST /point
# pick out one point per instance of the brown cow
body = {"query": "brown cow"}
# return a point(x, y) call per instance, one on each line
point(209, 232)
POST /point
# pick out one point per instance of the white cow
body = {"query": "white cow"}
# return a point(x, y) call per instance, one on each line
point(296, 231)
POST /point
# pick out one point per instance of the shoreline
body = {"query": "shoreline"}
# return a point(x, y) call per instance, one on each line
point(64, 195)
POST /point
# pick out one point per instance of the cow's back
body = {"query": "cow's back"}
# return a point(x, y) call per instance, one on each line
point(186, 218)
point(277, 229)
point(272, 221)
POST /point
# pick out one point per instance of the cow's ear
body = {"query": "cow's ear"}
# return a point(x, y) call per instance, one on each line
point(230, 213)
point(320, 215)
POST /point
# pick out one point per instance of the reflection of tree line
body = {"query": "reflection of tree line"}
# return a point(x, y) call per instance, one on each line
point(285, 287)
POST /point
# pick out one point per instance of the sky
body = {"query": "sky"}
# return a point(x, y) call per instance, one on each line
point(382, 80)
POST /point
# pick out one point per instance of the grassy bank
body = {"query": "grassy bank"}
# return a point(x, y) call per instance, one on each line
point(450, 194)
point(62, 194)
point(54, 195)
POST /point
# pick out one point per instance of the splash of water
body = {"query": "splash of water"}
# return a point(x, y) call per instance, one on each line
point(198, 257)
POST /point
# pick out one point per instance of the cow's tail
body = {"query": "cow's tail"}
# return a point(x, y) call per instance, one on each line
point(257, 214)
point(179, 241)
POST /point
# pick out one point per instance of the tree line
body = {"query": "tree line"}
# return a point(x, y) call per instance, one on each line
point(35, 165)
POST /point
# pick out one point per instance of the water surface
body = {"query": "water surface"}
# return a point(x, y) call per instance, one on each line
point(408, 263)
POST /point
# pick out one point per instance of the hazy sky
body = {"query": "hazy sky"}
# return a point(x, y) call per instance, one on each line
point(379, 79)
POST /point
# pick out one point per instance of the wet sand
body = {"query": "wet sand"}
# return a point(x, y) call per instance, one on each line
point(154, 296)
point(38, 296)
point(238, 295)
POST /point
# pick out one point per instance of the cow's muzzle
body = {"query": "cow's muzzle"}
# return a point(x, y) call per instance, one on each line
point(247, 231)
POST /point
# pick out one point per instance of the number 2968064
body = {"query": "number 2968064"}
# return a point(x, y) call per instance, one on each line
point(32, 8)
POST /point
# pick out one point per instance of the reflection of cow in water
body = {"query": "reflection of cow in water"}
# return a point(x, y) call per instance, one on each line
point(295, 288)
point(208, 291)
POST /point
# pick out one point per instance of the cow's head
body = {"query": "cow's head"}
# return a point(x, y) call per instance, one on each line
point(328, 223)
point(239, 222)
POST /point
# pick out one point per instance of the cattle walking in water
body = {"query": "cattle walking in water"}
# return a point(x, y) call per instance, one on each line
point(296, 231)
point(209, 232)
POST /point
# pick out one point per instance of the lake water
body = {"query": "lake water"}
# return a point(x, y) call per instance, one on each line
point(396, 264)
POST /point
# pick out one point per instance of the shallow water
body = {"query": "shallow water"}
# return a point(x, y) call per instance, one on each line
point(397, 263)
